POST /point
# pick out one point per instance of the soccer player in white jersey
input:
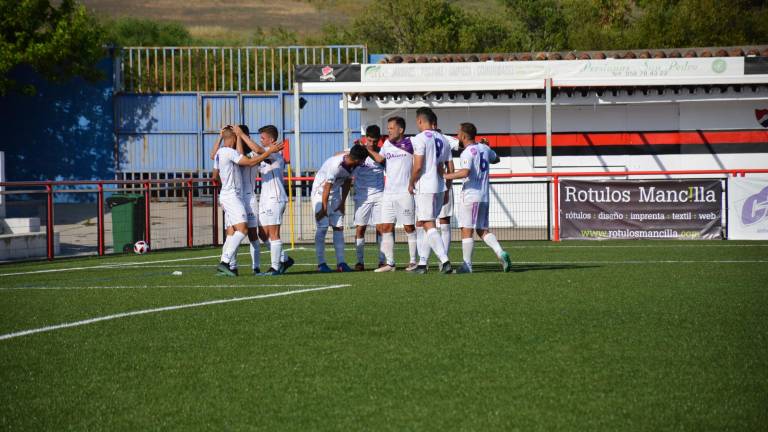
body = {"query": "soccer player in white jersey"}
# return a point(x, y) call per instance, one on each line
point(473, 208)
point(397, 204)
point(272, 201)
point(329, 194)
point(228, 159)
point(428, 186)
point(369, 188)
point(444, 218)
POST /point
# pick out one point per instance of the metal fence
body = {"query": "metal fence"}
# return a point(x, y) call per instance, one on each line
point(223, 69)
point(81, 218)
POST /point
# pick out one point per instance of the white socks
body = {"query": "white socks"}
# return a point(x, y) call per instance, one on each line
point(283, 255)
point(467, 246)
point(445, 233)
point(422, 246)
point(255, 254)
point(388, 247)
point(436, 243)
point(382, 258)
point(320, 244)
point(338, 245)
point(230, 246)
point(276, 251)
point(490, 240)
point(360, 249)
point(411, 246)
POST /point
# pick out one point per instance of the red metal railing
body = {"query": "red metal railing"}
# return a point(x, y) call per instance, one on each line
point(190, 184)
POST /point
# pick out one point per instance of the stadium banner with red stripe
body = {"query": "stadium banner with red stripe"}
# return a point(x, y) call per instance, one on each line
point(748, 208)
point(641, 209)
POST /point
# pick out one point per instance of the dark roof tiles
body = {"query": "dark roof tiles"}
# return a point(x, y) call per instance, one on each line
point(760, 50)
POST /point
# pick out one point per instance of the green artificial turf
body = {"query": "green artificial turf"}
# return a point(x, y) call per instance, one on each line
point(581, 336)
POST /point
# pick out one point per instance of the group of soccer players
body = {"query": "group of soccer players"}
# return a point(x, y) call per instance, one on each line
point(417, 194)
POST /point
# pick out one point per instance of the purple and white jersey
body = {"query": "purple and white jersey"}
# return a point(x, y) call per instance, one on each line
point(476, 158)
point(231, 178)
point(432, 146)
point(399, 158)
point(369, 180)
point(333, 171)
point(272, 188)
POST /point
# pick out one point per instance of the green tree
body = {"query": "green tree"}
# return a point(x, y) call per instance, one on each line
point(404, 26)
point(144, 32)
point(544, 23)
point(58, 42)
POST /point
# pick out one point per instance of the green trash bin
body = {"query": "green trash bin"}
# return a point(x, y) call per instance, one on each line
point(127, 220)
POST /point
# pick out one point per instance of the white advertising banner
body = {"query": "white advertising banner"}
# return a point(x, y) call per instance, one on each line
point(580, 69)
point(747, 208)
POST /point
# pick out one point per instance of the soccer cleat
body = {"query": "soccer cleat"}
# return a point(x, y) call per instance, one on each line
point(223, 268)
point(343, 268)
point(323, 268)
point(411, 267)
point(271, 272)
point(359, 267)
point(385, 268)
point(445, 268)
point(381, 264)
point(463, 268)
point(506, 262)
point(421, 269)
point(256, 271)
point(285, 265)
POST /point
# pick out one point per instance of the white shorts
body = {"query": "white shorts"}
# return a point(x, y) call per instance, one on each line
point(398, 208)
point(473, 215)
point(368, 212)
point(251, 204)
point(334, 218)
point(447, 210)
point(234, 210)
point(428, 206)
point(271, 213)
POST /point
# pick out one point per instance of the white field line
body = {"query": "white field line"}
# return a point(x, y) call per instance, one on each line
point(145, 263)
point(164, 309)
point(108, 287)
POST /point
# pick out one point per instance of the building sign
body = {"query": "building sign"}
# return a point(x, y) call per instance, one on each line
point(328, 73)
point(529, 70)
point(641, 209)
point(747, 208)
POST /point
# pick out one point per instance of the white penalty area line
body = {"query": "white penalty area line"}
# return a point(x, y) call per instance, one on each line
point(165, 309)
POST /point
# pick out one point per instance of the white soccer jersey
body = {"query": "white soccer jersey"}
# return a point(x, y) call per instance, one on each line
point(476, 158)
point(272, 188)
point(432, 146)
point(231, 179)
point(369, 180)
point(249, 174)
point(398, 167)
point(334, 171)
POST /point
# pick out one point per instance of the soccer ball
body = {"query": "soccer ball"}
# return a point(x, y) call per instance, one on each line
point(141, 247)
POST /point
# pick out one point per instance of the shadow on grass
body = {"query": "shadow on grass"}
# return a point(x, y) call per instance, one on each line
point(519, 268)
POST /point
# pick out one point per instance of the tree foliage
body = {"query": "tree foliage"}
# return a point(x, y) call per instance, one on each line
point(442, 26)
point(58, 42)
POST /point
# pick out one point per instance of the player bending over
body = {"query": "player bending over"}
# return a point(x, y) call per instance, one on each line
point(329, 194)
point(369, 187)
point(473, 208)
